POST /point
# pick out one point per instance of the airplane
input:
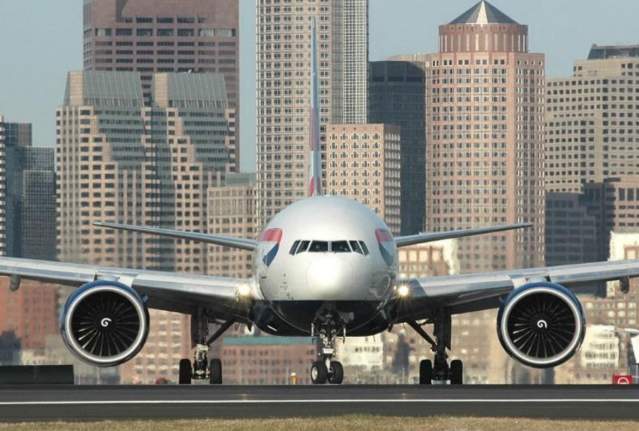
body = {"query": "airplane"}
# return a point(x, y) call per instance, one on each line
point(326, 267)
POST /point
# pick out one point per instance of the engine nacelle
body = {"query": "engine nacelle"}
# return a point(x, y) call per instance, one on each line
point(541, 325)
point(105, 323)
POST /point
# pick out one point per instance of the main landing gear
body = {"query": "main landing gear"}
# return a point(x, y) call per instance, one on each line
point(325, 369)
point(439, 371)
point(202, 368)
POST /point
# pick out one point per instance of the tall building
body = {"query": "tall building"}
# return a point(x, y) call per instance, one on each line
point(283, 87)
point(396, 91)
point(363, 163)
point(119, 160)
point(579, 226)
point(573, 229)
point(232, 212)
point(484, 125)
point(28, 204)
point(592, 120)
point(151, 36)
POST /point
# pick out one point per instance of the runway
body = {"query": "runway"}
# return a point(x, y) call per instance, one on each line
point(29, 403)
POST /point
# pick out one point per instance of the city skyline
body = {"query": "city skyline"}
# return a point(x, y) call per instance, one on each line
point(24, 101)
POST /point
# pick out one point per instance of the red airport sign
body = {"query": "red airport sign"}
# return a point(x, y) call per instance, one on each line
point(621, 379)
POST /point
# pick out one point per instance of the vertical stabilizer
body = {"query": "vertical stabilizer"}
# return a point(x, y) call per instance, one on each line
point(315, 175)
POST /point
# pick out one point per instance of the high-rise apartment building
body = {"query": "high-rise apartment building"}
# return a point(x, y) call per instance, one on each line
point(396, 91)
point(284, 83)
point(27, 180)
point(232, 212)
point(119, 160)
point(151, 36)
point(592, 120)
point(484, 134)
point(363, 163)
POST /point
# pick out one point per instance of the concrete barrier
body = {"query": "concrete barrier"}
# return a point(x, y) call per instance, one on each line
point(36, 375)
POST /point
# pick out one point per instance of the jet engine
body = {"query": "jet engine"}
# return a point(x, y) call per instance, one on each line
point(541, 325)
point(105, 323)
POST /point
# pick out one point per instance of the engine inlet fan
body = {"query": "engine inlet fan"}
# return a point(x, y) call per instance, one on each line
point(541, 325)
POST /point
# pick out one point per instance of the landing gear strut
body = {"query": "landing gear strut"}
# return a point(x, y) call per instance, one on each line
point(325, 369)
point(201, 368)
point(439, 370)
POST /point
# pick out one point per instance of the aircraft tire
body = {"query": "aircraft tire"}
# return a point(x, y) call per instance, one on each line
point(215, 372)
point(456, 372)
point(186, 372)
point(319, 373)
point(426, 372)
point(336, 375)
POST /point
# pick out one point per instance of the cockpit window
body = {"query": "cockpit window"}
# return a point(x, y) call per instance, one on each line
point(294, 247)
point(318, 247)
point(364, 248)
point(356, 248)
point(340, 247)
point(303, 247)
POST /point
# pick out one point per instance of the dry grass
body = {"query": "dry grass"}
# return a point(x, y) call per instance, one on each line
point(346, 423)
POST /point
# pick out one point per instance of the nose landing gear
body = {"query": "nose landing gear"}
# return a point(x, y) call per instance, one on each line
point(325, 369)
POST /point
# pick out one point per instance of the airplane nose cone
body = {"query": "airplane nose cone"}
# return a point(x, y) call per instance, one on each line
point(328, 277)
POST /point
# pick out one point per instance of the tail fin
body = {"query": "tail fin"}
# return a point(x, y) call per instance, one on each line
point(315, 175)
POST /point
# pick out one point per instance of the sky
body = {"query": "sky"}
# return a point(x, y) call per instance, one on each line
point(41, 40)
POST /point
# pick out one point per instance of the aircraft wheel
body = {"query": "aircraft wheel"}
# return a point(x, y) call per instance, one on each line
point(186, 372)
point(215, 372)
point(336, 375)
point(319, 373)
point(456, 372)
point(426, 372)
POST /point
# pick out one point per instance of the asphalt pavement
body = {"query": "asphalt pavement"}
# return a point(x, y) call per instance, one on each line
point(62, 402)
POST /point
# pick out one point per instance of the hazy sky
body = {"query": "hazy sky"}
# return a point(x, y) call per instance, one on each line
point(40, 40)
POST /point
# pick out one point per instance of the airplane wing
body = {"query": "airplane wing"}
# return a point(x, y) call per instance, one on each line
point(404, 241)
point(241, 243)
point(474, 292)
point(169, 291)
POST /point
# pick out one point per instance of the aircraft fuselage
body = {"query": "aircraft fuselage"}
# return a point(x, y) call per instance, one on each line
point(322, 258)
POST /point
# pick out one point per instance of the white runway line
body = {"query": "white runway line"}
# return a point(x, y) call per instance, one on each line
point(320, 401)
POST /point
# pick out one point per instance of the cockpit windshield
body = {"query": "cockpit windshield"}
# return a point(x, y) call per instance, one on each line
point(303, 246)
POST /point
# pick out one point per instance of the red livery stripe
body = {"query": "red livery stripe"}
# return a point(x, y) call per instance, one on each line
point(383, 235)
point(271, 235)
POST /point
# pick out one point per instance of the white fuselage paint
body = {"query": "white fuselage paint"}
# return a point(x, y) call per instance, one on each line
point(326, 276)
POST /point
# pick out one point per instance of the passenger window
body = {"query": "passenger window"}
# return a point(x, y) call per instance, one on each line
point(356, 248)
point(318, 247)
point(364, 248)
point(340, 247)
point(294, 247)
